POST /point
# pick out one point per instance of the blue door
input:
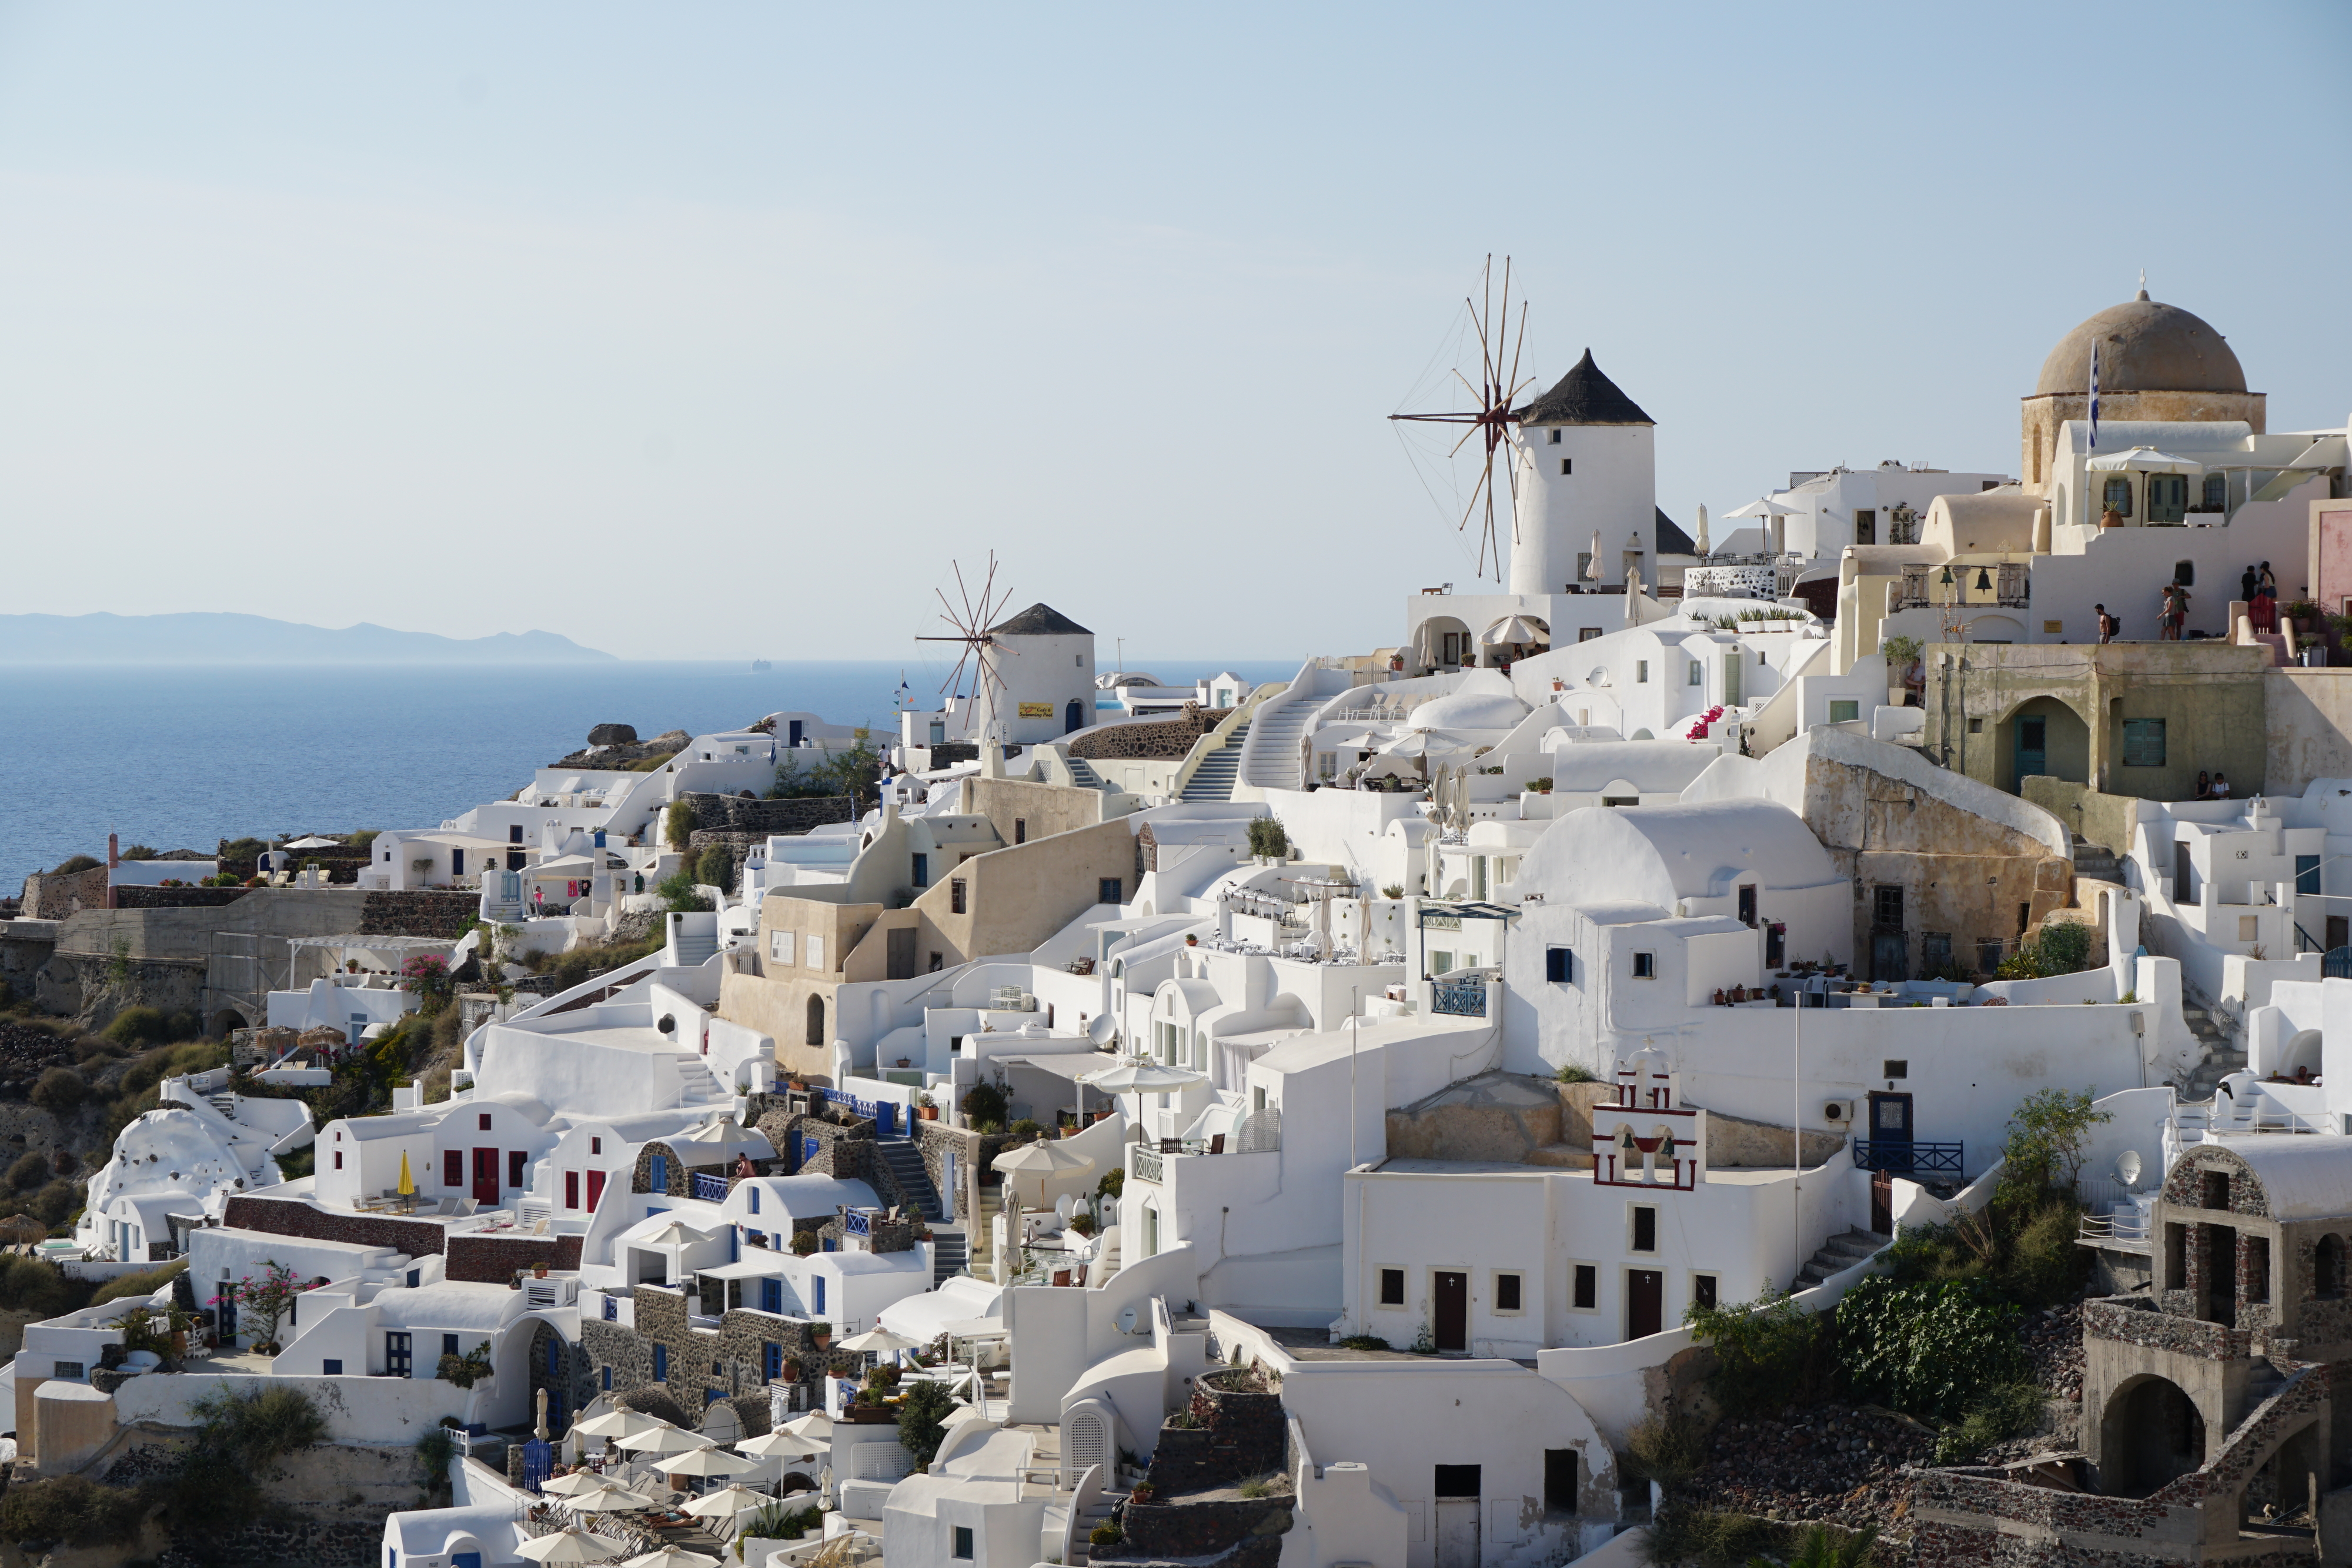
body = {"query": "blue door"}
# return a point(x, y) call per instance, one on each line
point(466, 1560)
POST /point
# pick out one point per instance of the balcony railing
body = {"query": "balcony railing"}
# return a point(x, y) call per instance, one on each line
point(1908, 1159)
point(709, 1187)
point(1461, 998)
point(1145, 1165)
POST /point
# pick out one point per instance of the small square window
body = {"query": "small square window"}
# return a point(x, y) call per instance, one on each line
point(1645, 1228)
point(1566, 465)
point(1559, 965)
point(963, 1542)
point(331, 1367)
point(955, 895)
point(1897, 1067)
point(1586, 1293)
point(1111, 890)
point(1976, 726)
point(1703, 1290)
point(1646, 966)
point(484, 1120)
point(67, 1370)
point(2250, 927)
point(1506, 1292)
point(1555, 438)
point(1391, 1287)
point(1844, 711)
point(2142, 743)
point(1641, 672)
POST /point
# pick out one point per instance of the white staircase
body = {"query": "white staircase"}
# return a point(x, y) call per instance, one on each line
point(698, 1086)
point(1213, 779)
point(1276, 758)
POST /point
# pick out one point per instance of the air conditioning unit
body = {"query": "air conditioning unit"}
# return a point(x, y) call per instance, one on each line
point(1839, 1112)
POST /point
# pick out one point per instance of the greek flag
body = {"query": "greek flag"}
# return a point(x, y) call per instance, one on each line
point(2095, 397)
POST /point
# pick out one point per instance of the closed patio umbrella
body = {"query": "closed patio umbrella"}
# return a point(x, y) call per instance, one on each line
point(568, 1546)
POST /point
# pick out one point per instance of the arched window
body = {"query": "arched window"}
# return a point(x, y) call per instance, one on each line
point(816, 1020)
point(2114, 496)
point(2328, 1268)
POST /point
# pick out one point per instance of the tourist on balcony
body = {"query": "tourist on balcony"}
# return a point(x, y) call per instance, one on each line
point(2221, 786)
point(2176, 611)
point(2106, 624)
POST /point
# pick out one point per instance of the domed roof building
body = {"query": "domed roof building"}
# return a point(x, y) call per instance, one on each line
point(2157, 361)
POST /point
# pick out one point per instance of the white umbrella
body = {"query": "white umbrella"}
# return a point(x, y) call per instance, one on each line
point(1592, 566)
point(568, 1546)
point(607, 1500)
point(1365, 741)
point(728, 1502)
point(882, 1342)
point(782, 1444)
point(1763, 507)
point(672, 1557)
point(666, 1439)
point(1141, 1078)
point(1042, 1160)
point(1514, 629)
point(816, 1426)
point(707, 1462)
point(617, 1423)
point(2144, 460)
point(674, 1234)
point(577, 1483)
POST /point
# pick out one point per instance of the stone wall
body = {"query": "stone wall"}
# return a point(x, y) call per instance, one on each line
point(727, 1363)
point(496, 1259)
point(973, 1150)
point(2179, 1333)
point(733, 814)
point(566, 1370)
point(284, 1217)
point(1152, 741)
point(48, 897)
point(1240, 1432)
point(318, 1543)
point(1238, 1532)
point(418, 914)
point(131, 896)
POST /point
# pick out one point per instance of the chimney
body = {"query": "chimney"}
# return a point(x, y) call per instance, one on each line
point(114, 850)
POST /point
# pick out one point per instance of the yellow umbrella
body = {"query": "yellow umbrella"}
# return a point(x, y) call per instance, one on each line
point(407, 1187)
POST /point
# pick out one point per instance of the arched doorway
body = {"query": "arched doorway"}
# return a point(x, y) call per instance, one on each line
point(2301, 1053)
point(1073, 717)
point(2150, 1435)
point(2044, 735)
point(226, 1022)
point(816, 1020)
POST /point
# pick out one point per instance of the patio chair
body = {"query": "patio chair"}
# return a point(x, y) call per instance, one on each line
point(1217, 1145)
point(1171, 1146)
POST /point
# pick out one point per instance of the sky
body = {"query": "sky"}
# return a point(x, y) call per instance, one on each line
point(728, 331)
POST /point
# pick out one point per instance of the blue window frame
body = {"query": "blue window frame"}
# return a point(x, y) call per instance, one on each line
point(608, 1379)
point(820, 1293)
point(771, 1361)
point(448, 1345)
point(396, 1354)
point(922, 870)
point(658, 1174)
point(772, 1295)
point(555, 1356)
point(751, 1197)
point(611, 1310)
point(2307, 874)
point(661, 1363)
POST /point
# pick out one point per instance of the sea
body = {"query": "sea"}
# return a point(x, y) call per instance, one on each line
point(180, 756)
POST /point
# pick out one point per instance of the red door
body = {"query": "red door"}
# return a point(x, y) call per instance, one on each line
point(486, 1176)
point(595, 1188)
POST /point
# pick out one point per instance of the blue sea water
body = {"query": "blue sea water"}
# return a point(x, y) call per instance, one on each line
point(182, 757)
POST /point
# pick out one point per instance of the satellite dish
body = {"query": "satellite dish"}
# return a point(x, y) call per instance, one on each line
point(2127, 1168)
point(1127, 1320)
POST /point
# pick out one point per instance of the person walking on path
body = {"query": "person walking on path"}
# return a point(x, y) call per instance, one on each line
point(2170, 617)
point(2106, 624)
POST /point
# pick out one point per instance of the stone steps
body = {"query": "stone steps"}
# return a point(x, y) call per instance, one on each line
point(1838, 1254)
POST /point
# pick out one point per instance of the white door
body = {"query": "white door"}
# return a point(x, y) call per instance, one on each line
point(1457, 1532)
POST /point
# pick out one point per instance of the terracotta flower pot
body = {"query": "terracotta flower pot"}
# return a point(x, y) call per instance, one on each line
point(928, 1113)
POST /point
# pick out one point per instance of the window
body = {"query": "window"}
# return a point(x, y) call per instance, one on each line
point(1641, 672)
point(2250, 927)
point(2217, 493)
point(514, 836)
point(606, 1373)
point(779, 943)
point(2142, 743)
point(484, 1120)
point(1845, 712)
point(815, 951)
point(1457, 1480)
point(661, 1363)
point(1697, 673)
point(1439, 962)
point(516, 1160)
point(2114, 496)
point(1507, 1293)
point(396, 1354)
point(772, 1295)
point(448, 1345)
point(771, 1361)
point(1555, 438)
point(1020, 830)
point(1586, 633)
point(570, 1189)
point(1976, 726)
point(1620, 799)
point(1391, 1287)
point(1646, 966)
point(554, 1357)
point(1865, 526)
point(2307, 874)
point(1111, 890)
point(1567, 466)
point(955, 895)
point(819, 1281)
point(2184, 572)
point(752, 1197)
point(415, 1278)
point(964, 1542)
point(658, 1173)
point(68, 1371)
point(1936, 952)
point(1895, 1067)
point(1887, 907)
point(923, 873)
point(1586, 1291)
point(1559, 965)
point(1703, 1290)
point(339, 1159)
point(331, 1367)
point(1747, 904)
point(1645, 1228)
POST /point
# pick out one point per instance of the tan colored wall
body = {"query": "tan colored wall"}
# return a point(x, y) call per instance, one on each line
point(1017, 896)
point(773, 997)
point(2101, 818)
point(1047, 809)
point(2040, 417)
point(2310, 728)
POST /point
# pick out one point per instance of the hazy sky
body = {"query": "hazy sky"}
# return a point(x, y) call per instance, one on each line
point(719, 331)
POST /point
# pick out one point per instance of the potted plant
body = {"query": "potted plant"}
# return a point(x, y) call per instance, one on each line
point(926, 1108)
point(539, 1271)
point(905, 1062)
point(2111, 519)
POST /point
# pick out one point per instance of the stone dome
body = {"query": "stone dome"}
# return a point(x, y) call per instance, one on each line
point(2143, 346)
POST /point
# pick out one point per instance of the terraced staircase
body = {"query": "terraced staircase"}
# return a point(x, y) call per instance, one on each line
point(2221, 1056)
point(1275, 762)
point(1838, 1254)
point(2096, 862)
point(1213, 779)
point(950, 1249)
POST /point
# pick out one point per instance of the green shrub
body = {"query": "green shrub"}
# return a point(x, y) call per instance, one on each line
point(34, 1285)
point(2009, 1410)
point(1267, 837)
point(678, 824)
point(677, 891)
point(73, 863)
point(1825, 1546)
point(923, 1420)
point(437, 1450)
point(1931, 1349)
point(140, 1027)
point(70, 1509)
point(1577, 1073)
point(29, 1171)
point(1023, 1131)
point(983, 1103)
point(1365, 1341)
point(580, 964)
point(1667, 1449)
point(1768, 1352)
point(2047, 1132)
point(1685, 1532)
point(60, 1090)
point(1113, 1184)
point(127, 1287)
point(1106, 1533)
point(715, 867)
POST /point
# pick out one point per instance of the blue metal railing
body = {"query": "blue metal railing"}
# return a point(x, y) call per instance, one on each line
point(1908, 1159)
point(710, 1187)
point(1459, 999)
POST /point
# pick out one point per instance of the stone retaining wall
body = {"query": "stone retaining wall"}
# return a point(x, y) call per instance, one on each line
point(131, 896)
point(732, 813)
point(493, 1259)
point(1151, 739)
point(1239, 1533)
point(283, 1216)
point(1242, 1432)
point(422, 913)
point(316, 1543)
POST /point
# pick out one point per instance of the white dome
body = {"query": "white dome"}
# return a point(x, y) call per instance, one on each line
point(1483, 701)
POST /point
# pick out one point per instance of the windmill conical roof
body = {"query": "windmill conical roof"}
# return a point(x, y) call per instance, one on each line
point(1584, 397)
point(1040, 620)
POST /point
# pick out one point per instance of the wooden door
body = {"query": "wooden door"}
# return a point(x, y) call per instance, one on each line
point(1882, 1202)
point(1890, 1127)
point(1452, 1309)
point(1457, 1532)
point(899, 954)
point(595, 1188)
point(1645, 1302)
point(486, 1175)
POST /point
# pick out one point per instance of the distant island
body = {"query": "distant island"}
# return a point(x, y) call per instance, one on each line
point(223, 638)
